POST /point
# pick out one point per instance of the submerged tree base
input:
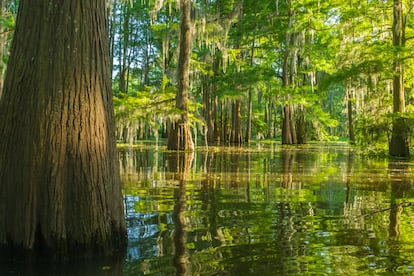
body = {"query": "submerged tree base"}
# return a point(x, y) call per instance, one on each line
point(399, 145)
point(63, 249)
point(179, 137)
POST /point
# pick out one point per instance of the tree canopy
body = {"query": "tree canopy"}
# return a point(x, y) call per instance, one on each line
point(294, 70)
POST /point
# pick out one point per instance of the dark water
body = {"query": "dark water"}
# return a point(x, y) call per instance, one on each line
point(267, 211)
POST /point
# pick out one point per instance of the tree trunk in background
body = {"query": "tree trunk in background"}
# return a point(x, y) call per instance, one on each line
point(288, 127)
point(249, 117)
point(236, 130)
point(180, 134)
point(60, 193)
point(350, 114)
point(288, 72)
point(399, 145)
point(123, 77)
point(301, 125)
point(224, 137)
point(209, 110)
point(112, 30)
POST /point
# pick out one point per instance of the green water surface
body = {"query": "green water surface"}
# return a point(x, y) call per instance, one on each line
point(267, 210)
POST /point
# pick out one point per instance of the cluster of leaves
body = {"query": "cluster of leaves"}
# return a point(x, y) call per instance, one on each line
point(149, 105)
point(8, 11)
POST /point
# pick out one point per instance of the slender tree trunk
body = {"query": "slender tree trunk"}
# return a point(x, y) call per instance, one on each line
point(288, 127)
point(301, 125)
point(124, 66)
point(60, 193)
point(180, 134)
point(236, 130)
point(147, 58)
point(288, 123)
point(224, 122)
point(208, 108)
point(112, 28)
point(249, 117)
point(350, 114)
point(399, 145)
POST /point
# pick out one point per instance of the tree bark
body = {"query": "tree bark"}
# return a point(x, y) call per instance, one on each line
point(288, 123)
point(249, 117)
point(123, 77)
point(301, 125)
point(236, 137)
point(180, 134)
point(350, 114)
point(399, 145)
point(60, 195)
point(288, 127)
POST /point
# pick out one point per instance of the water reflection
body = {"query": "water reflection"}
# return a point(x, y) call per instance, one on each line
point(179, 165)
point(307, 210)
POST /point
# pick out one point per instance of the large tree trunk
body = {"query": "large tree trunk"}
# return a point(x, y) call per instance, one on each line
point(399, 145)
point(180, 134)
point(60, 193)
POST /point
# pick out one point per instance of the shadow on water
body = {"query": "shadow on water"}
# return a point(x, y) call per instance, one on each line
point(85, 267)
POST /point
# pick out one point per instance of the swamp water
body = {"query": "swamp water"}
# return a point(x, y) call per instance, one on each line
point(267, 211)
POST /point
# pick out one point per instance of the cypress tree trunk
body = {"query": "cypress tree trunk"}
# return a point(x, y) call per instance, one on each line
point(399, 145)
point(208, 111)
point(288, 74)
point(60, 193)
point(249, 117)
point(301, 125)
point(180, 134)
point(288, 127)
point(123, 77)
point(350, 114)
point(236, 137)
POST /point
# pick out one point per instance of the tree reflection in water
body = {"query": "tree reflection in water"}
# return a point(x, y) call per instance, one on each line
point(289, 210)
point(179, 164)
point(400, 184)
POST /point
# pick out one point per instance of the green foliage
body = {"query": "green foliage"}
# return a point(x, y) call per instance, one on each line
point(339, 54)
point(151, 106)
point(8, 22)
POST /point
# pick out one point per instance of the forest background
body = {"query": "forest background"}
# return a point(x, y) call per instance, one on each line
point(292, 70)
